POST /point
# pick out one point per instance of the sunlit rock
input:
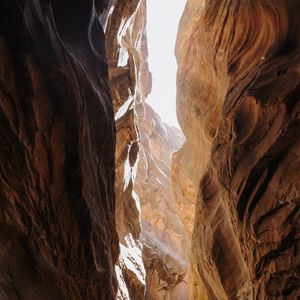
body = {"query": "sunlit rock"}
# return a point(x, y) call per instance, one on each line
point(145, 207)
point(166, 243)
point(125, 42)
point(238, 106)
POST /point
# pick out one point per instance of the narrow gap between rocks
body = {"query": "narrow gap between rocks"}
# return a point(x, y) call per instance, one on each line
point(164, 237)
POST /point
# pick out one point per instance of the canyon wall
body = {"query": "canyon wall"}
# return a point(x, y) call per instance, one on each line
point(237, 173)
point(71, 222)
point(165, 241)
point(238, 106)
point(130, 82)
point(148, 225)
point(57, 227)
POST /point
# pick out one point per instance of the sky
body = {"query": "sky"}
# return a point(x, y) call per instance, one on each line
point(163, 19)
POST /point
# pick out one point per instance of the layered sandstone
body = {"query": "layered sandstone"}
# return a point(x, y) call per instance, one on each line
point(144, 147)
point(60, 199)
point(165, 242)
point(147, 222)
point(130, 82)
point(57, 227)
point(238, 106)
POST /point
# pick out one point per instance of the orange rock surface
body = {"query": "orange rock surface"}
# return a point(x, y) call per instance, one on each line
point(238, 106)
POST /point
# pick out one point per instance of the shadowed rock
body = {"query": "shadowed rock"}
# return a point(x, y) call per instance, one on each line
point(57, 227)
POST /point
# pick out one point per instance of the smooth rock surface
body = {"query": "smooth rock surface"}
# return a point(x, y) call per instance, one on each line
point(57, 229)
point(238, 106)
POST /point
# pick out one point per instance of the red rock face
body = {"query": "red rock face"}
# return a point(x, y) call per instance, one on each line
point(57, 227)
point(130, 83)
point(147, 221)
point(165, 241)
point(238, 104)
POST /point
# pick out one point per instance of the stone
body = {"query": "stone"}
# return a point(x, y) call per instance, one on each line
point(238, 106)
point(57, 227)
point(165, 240)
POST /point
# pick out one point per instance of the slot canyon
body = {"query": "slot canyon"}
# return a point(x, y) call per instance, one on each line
point(101, 199)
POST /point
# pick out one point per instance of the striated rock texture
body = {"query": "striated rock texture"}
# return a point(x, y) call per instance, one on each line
point(238, 106)
point(165, 242)
point(148, 226)
point(57, 226)
point(130, 82)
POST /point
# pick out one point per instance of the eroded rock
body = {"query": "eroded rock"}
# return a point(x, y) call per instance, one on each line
point(147, 222)
point(57, 227)
point(130, 82)
point(165, 241)
point(238, 106)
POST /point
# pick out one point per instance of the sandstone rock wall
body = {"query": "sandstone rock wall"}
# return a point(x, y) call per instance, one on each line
point(59, 154)
point(238, 106)
point(57, 229)
point(147, 221)
point(165, 241)
point(130, 82)
point(237, 173)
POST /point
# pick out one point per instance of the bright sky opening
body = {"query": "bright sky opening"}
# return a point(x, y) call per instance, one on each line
point(163, 20)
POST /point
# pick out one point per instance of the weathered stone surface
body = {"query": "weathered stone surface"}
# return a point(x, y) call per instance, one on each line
point(130, 82)
point(238, 106)
point(165, 241)
point(57, 227)
point(142, 185)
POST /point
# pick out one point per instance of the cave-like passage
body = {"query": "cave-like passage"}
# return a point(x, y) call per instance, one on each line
point(162, 23)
